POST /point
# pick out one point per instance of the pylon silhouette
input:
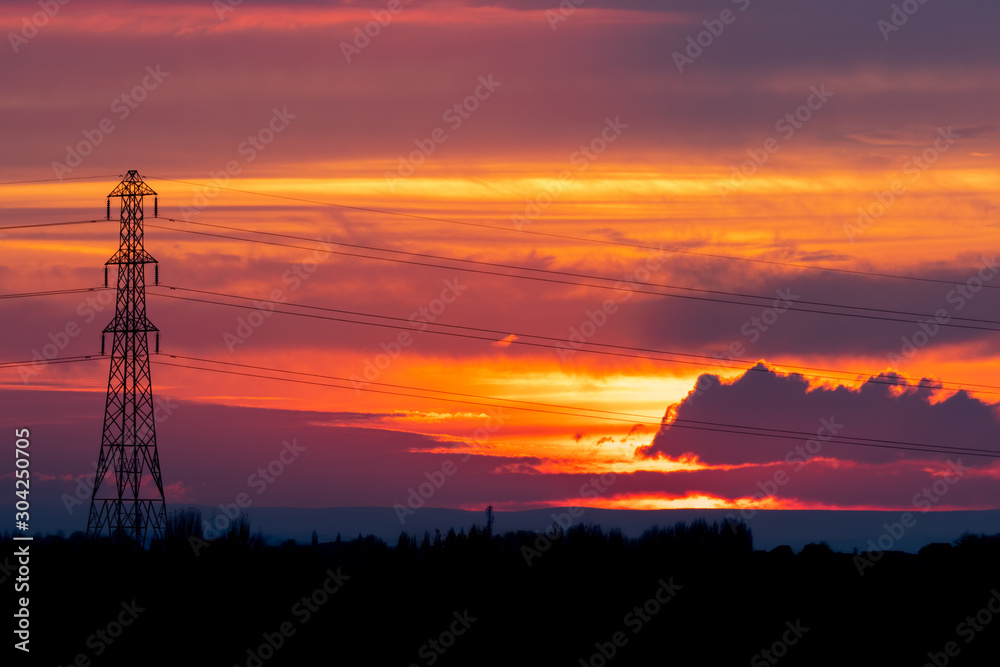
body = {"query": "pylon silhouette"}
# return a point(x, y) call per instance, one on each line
point(126, 509)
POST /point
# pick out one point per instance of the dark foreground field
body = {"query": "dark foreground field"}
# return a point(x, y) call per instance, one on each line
point(692, 595)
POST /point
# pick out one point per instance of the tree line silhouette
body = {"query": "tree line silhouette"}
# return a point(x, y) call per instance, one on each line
point(561, 596)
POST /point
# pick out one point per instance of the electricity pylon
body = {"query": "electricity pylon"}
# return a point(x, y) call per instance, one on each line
point(126, 511)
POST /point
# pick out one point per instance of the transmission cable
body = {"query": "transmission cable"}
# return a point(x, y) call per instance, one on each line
point(561, 273)
point(570, 237)
point(750, 365)
point(701, 426)
point(604, 287)
point(65, 178)
point(79, 290)
point(535, 406)
point(54, 224)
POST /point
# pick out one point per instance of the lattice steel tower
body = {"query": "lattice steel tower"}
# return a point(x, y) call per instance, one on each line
point(122, 508)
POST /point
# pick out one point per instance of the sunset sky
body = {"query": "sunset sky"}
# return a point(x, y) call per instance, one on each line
point(721, 150)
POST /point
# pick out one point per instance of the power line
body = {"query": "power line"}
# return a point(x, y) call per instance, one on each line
point(554, 405)
point(796, 265)
point(734, 429)
point(749, 365)
point(576, 238)
point(78, 290)
point(536, 406)
point(67, 178)
point(739, 364)
point(604, 287)
point(51, 362)
point(54, 224)
point(424, 389)
point(629, 288)
point(766, 298)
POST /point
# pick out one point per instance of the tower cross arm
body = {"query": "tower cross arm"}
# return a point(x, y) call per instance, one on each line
point(132, 186)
